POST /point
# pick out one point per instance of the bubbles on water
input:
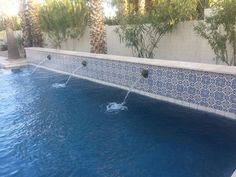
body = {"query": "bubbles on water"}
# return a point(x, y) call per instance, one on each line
point(115, 107)
point(58, 85)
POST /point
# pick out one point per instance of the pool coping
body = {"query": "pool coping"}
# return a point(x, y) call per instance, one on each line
point(228, 115)
point(234, 174)
point(223, 69)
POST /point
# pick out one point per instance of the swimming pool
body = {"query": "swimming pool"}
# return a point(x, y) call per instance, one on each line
point(46, 131)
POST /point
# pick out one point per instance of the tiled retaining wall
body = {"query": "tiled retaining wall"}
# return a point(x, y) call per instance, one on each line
point(206, 87)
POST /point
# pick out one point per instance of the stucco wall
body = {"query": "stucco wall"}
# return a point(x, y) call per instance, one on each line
point(183, 44)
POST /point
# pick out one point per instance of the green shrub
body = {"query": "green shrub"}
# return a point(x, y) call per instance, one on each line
point(142, 33)
point(20, 42)
point(63, 19)
point(3, 46)
point(220, 31)
point(112, 21)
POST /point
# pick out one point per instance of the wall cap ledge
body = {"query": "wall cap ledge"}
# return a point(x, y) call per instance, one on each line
point(156, 62)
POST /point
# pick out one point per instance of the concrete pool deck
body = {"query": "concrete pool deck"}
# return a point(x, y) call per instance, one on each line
point(12, 63)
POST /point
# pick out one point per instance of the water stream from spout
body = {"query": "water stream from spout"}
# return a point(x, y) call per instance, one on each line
point(61, 85)
point(37, 66)
point(114, 107)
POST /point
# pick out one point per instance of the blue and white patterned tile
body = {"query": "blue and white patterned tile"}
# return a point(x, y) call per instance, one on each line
point(212, 90)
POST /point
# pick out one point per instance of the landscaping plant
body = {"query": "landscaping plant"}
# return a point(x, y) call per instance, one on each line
point(63, 19)
point(143, 31)
point(220, 31)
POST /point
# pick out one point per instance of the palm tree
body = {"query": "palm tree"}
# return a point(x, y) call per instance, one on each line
point(26, 26)
point(30, 23)
point(122, 6)
point(136, 5)
point(148, 5)
point(97, 28)
point(34, 10)
point(142, 6)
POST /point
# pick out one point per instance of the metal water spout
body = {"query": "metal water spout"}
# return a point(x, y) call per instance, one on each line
point(49, 57)
point(84, 63)
point(145, 73)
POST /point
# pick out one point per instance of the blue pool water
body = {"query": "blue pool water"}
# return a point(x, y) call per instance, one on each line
point(66, 132)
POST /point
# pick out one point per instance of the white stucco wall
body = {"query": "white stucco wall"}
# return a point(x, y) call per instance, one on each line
point(75, 44)
point(182, 44)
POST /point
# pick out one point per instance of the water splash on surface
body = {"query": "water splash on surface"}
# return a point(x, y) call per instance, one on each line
point(62, 85)
point(114, 107)
point(58, 85)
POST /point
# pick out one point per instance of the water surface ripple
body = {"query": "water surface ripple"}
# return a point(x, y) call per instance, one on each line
point(48, 132)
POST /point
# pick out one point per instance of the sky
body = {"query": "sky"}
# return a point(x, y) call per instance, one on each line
point(108, 9)
point(9, 7)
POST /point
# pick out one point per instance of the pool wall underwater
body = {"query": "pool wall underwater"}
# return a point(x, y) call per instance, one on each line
point(210, 88)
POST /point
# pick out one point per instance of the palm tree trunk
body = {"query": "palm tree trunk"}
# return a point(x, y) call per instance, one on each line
point(136, 5)
point(142, 5)
point(13, 52)
point(123, 8)
point(148, 5)
point(97, 28)
point(26, 26)
point(201, 4)
point(33, 12)
point(234, 54)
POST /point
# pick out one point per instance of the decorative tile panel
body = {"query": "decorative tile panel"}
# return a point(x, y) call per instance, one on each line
point(208, 89)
